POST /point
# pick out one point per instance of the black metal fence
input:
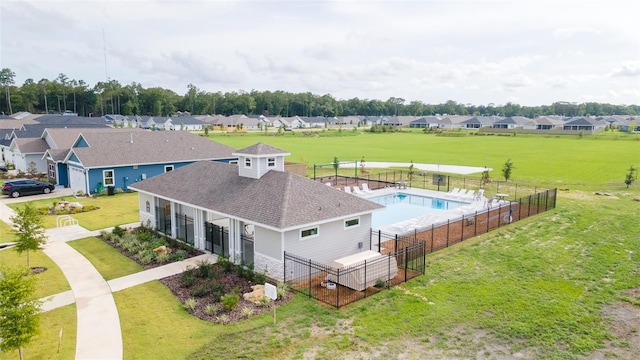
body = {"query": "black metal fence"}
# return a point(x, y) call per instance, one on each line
point(432, 181)
point(441, 235)
point(341, 286)
point(184, 227)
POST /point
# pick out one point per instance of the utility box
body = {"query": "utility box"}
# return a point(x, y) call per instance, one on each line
point(111, 190)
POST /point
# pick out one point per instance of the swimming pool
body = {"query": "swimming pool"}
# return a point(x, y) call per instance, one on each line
point(400, 207)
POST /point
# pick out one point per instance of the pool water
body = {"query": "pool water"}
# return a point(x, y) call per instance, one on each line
point(401, 207)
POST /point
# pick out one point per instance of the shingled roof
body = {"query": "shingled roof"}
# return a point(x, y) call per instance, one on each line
point(117, 148)
point(30, 145)
point(261, 149)
point(280, 200)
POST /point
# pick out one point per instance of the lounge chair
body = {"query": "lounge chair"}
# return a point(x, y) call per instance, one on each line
point(365, 188)
point(468, 195)
point(347, 189)
point(479, 195)
point(328, 184)
point(455, 191)
point(357, 191)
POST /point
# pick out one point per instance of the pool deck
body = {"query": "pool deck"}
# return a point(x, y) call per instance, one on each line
point(424, 221)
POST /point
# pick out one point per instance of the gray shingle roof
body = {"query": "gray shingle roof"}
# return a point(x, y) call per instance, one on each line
point(116, 148)
point(279, 200)
point(260, 149)
point(31, 145)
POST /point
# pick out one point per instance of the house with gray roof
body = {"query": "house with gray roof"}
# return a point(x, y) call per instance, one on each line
point(121, 158)
point(583, 124)
point(255, 211)
point(511, 122)
point(478, 122)
point(425, 122)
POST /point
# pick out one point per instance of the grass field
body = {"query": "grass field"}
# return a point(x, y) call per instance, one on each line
point(558, 161)
point(49, 282)
point(108, 261)
point(6, 233)
point(114, 210)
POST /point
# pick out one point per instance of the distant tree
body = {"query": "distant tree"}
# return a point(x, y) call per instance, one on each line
point(336, 166)
point(19, 312)
point(507, 169)
point(630, 176)
point(206, 130)
point(29, 231)
point(7, 79)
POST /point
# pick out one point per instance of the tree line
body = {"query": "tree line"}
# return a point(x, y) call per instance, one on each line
point(110, 97)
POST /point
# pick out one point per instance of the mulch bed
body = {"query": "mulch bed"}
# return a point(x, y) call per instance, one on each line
point(233, 283)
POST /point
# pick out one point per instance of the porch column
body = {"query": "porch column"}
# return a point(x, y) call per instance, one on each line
point(235, 245)
point(174, 229)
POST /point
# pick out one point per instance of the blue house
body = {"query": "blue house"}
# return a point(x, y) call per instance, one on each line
point(98, 160)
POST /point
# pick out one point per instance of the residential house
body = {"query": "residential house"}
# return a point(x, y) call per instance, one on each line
point(547, 123)
point(478, 122)
point(186, 123)
point(452, 121)
point(511, 122)
point(255, 211)
point(425, 122)
point(582, 124)
point(121, 158)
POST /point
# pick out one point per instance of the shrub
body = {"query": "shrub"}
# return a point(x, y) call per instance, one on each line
point(380, 283)
point(178, 255)
point(146, 256)
point(230, 301)
point(217, 289)
point(265, 301)
point(204, 269)
point(225, 263)
point(212, 309)
point(247, 312)
point(245, 271)
point(259, 278)
point(190, 304)
point(200, 291)
point(282, 289)
point(188, 279)
point(162, 258)
point(118, 231)
point(222, 319)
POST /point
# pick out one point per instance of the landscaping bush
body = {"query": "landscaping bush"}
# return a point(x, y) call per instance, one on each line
point(190, 304)
point(200, 291)
point(178, 255)
point(225, 263)
point(118, 231)
point(230, 301)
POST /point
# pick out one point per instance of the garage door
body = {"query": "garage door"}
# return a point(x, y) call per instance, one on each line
point(77, 180)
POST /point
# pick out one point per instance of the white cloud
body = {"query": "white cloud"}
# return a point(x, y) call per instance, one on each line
point(568, 32)
point(630, 68)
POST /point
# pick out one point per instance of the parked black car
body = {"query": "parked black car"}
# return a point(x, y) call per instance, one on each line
point(19, 187)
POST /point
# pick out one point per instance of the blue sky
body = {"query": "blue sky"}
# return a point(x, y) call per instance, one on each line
point(477, 52)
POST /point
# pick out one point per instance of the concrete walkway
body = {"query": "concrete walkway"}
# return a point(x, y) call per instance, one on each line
point(98, 325)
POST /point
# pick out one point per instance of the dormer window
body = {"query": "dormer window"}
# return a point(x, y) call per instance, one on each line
point(247, 162)
point(271, 162)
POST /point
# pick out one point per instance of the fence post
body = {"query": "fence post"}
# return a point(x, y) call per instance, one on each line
point(447, 232)
point(395, 246)
point(546, 200)
point(365, 278)
point(309, 277)
point(475, 224)
point(406, 263)
point(499, 214)
point(389, 270)
point(285, 265)
point(338, 291)
point(379, 237)
point(432, 236)
point(424, 258)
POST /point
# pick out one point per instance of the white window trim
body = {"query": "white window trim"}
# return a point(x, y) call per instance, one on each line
point(169, 167)
point(113, 178)
point(248, 164)
point(271, 162)
point(352, 226)
point(310, 236)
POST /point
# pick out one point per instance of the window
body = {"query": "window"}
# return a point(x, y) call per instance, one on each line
point(309, 233)
point(107, 178)
point(247, 162)
point(168, 168)
point(351, 223)
point(135, 167)
point(233, 162)
point(271, 162)
point(52, 171)
point(148, 206)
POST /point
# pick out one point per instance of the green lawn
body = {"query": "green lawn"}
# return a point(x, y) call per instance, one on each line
point(108, 261)
point(536, 287)
point(114, 210)
point(45, 345)
point(6, 233)
point(553, 161)
point(50, 282)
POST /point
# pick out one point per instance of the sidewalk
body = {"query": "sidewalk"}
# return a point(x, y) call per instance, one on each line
point(98, 324)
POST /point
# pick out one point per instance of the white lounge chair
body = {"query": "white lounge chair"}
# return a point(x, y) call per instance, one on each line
point(479, 195)
point(455, 191)
point(365, 188)
point(357, 191)
point(347, 189)
point(468, 195)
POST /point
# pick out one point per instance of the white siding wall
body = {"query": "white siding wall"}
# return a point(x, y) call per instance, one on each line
point(144, 214)
point(268, 243)
point(333, 242)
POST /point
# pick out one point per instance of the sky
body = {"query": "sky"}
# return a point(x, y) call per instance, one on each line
point(477, 52)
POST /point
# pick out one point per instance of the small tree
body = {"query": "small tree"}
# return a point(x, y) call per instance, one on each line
point(411, 170)
point(206, 130)
point(32, 169)
point(630, 176)
point(29, 231)
point(19, 313)
point(506, 169)
point(336, 166)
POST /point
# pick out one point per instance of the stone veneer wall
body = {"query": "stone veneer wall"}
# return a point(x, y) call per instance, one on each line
point(274, 268)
